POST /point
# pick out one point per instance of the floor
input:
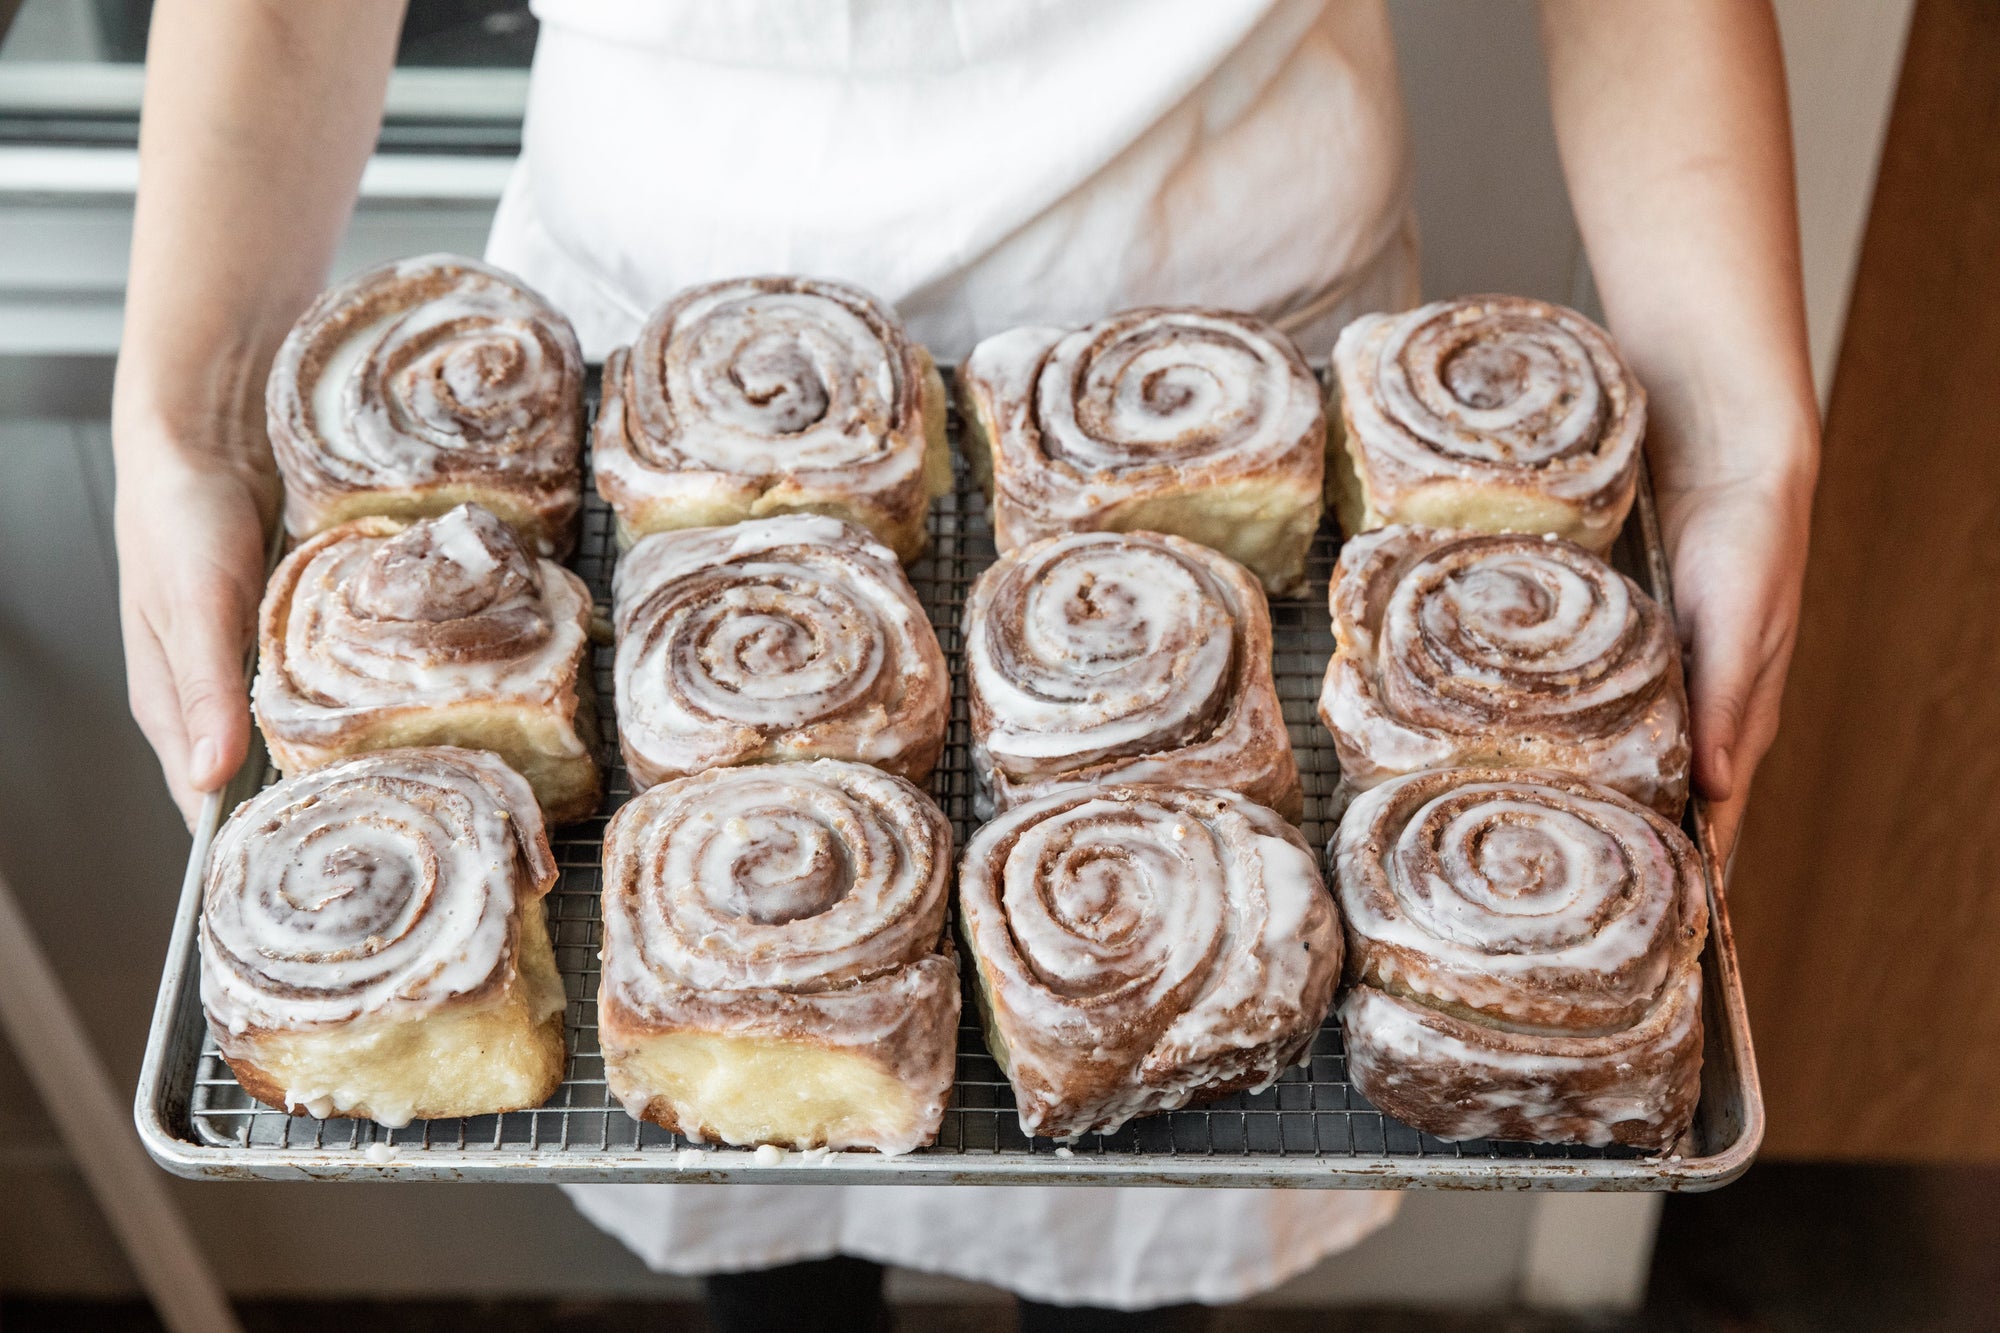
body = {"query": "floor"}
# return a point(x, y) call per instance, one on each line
point(1789, 1249)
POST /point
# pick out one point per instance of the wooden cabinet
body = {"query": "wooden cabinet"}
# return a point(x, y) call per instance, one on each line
point(1867, 891)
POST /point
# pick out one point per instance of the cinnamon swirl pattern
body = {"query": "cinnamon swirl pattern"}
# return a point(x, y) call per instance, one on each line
point(1142, 947)
point(1199, 423)
point(1124, 657)
point(775, 964)
point(424, 384)
point(1460, 648)
point(796, 637)
point(443, 632)
point(767, 396)
point(1490, 412)
point(1524, 956)
point(373, 942)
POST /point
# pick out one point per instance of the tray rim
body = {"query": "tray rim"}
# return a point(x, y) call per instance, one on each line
point(173, 1044)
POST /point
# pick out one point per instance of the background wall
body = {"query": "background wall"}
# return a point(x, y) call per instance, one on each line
point(91, 844)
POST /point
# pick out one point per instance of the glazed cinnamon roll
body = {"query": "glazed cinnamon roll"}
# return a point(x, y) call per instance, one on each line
point(422, 385)
point(1142, 947)
point(1490, 412)
point(446, 631)
point(1124, 657)
point(1199, 423)
point(373, 943)
point(767, 396)
point(1461, 648)
point(775, 964)
point(1524, 956)
point(797, 637)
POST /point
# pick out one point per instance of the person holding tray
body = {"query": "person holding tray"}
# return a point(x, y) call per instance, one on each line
point(980, 168)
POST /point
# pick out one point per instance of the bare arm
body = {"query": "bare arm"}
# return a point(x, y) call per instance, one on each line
point(1675, 138)
point(259, 116)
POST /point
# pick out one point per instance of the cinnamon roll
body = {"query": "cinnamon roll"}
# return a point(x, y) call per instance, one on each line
point(1142, 947)
point(796, 637)
point(1199, 423)
point(1461, 648)
point(765, 396)
point(446, 631)
point(1490, 412)
point(775, 964)
point(424, 384)
point(1524, 959)
point(1124, 657)
point(373, 943)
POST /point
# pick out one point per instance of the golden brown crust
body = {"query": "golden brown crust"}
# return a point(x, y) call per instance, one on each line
point(424, 384)
point(262, 1086)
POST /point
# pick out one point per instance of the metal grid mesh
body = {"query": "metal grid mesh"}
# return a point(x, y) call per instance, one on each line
point(1313, 1112)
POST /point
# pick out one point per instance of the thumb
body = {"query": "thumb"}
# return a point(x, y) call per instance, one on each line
point(207, 665)
point(1723, 673)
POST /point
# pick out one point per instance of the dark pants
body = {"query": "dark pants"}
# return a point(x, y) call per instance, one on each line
point(845, 1296)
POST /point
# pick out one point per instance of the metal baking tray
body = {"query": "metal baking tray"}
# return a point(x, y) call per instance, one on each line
point(1313, 1129)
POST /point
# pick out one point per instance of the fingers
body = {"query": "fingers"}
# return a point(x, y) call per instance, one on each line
point(1725, 820)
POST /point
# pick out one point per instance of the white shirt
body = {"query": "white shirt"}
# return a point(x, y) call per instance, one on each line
point(980, 164)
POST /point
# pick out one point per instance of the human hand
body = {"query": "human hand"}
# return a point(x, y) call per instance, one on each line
point(191, 532)
point(1737, 547)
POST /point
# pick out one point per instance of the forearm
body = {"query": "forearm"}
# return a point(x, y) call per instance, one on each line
point(1676, 143)
point(259, 116)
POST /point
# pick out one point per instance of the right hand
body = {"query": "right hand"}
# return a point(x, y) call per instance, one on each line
point(191, 531)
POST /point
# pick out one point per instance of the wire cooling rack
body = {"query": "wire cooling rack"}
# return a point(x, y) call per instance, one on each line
point(1312, 1129)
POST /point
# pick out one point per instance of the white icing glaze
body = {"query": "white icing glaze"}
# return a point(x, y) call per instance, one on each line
point(1097, 645)
point(1553, 1084)
point(388, 884)
point(427, 372)
point(763, 381)
point(778, 638)
point(791, 877)
point(1534, 903)
point(1487, 388)
point(366, 618)
point(1136, 403)
point(1458, 648)
point(1128, 657)
point(1525, 957)
point(1138, 945)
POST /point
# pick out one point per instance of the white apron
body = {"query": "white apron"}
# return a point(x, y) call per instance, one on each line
point(979, 164)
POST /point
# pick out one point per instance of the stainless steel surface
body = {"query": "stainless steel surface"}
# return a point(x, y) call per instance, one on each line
point(1311, 1130)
